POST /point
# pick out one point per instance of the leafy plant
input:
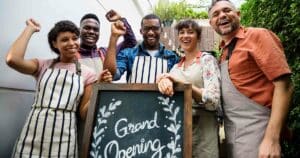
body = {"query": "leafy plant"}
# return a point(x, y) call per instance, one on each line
point(169, 11)
point(283, 18)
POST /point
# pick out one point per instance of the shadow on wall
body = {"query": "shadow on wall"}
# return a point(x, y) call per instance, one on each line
point(14, 108)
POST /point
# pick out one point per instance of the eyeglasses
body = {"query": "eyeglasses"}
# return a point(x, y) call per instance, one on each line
point(148, 28)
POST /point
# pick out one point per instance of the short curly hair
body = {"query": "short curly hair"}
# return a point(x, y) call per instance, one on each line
point(150, 16)
point(189, 23)
point(59, 27)
point(90, 16)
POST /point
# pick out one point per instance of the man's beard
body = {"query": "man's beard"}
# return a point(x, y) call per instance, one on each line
point(233, 27)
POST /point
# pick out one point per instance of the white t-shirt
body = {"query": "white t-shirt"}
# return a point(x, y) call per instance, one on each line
point(152, 52)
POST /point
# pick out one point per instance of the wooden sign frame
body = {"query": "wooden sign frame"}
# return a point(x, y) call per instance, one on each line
point(98, 88)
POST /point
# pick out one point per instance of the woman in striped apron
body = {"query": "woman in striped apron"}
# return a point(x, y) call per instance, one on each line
point(202, 71)
point(63, 86)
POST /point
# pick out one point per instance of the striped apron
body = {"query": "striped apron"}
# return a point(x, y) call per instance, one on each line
point(245, 121)
point(146, 68)
point(95, 64)
point(50, 130)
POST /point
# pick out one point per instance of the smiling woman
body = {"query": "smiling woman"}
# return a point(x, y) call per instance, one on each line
point(63, 40)
point(202, 71)
point(68, 45)
point(52, 119)
point(14, 85)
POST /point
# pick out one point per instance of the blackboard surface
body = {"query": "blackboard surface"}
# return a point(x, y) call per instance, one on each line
point(135, 120)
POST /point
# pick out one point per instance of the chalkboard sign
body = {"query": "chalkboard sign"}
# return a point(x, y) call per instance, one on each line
point(135, 120)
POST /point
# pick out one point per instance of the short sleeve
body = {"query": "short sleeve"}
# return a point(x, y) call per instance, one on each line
point(269, 55)
point(89, 75)
point(43, 64)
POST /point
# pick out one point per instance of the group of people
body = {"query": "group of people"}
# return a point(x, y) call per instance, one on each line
point(252, 78)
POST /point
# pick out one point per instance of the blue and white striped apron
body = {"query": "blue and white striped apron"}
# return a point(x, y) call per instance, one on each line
point(146, 68)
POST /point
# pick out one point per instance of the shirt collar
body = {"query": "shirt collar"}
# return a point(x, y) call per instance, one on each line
point(160, 49)
point(88, 52)
point(240, 34)
point(181, 62)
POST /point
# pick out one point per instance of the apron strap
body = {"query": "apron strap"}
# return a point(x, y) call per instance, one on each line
point(77, 65)
point(231, 47)
point(56, 60)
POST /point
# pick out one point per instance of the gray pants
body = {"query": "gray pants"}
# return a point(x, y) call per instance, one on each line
point(205, 135)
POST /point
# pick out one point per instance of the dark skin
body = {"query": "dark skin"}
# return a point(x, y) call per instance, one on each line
point(90, 30)
point(151, 31)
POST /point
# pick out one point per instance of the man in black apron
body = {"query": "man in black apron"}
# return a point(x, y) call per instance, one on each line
point(146, 60)
point(256, 87)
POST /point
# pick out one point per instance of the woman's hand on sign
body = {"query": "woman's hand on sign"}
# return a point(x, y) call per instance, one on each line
point(165, 85)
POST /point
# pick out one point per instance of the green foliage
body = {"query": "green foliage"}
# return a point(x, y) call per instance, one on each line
point(283, 18)
point(168, 11)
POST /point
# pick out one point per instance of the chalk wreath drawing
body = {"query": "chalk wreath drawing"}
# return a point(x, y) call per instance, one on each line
point(103, 115)
point(173, 127)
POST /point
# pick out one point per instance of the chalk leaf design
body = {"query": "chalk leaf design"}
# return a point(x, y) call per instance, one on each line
point(104, 113)
point(173, 127)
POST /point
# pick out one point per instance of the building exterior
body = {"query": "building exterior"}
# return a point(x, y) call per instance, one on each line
point(17, 90)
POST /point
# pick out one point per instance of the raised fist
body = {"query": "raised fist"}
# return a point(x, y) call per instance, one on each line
point(33, 24)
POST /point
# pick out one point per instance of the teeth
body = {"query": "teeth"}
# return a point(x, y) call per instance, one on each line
point(186, 41)
point(72, 49)
point(223, 21)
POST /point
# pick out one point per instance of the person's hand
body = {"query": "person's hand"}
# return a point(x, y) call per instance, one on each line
point(105, 76)
point(118, 28)
point(269, 149)
point(33, 25)
point(112, 16)
point(165, 85)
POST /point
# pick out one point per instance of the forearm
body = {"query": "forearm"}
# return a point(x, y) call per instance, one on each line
point(16, 53)
point(110, 59)
point(129, 37)
point(197, 94)
point(85, 101)
point(280, 106)
point(83, 110)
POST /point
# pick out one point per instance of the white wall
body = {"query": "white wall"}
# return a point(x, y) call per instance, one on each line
point(15, 99)
point(15, 12)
